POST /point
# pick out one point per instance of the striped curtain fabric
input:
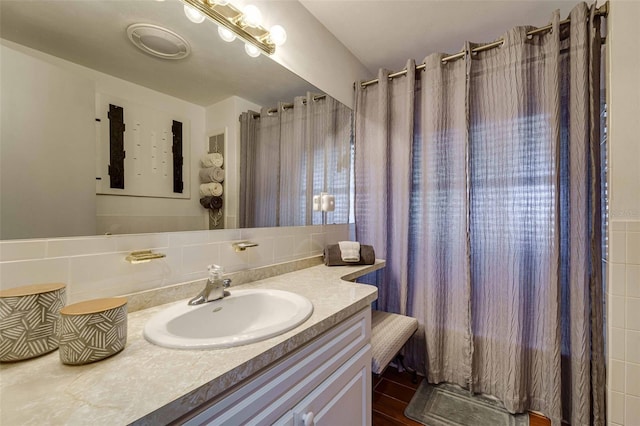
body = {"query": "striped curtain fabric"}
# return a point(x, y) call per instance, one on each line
point(479, 181)
point(290, 155)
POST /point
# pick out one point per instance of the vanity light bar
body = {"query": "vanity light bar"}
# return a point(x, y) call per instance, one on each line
point(228, 16)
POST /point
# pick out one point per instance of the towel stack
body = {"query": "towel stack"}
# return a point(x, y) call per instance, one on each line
point(211, 177)
point(349, 253)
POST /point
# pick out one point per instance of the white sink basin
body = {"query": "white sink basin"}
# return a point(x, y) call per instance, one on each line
point(244, 317)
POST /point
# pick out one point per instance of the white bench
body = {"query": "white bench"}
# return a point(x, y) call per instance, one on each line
point(389, 333)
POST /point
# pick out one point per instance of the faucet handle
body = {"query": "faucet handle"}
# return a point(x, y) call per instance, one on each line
point(226, 283)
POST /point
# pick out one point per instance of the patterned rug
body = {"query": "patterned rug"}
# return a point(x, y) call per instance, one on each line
point(450, 405)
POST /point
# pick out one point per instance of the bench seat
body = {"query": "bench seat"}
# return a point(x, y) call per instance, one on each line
point(389, 333)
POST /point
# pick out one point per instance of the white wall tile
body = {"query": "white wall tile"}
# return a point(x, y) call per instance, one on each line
point(618, 247)
point(141, 241)
point(633, 248)
point(179, 239)
point(617, 344)
point(262, 255)
point(225, 235)
point(112, 273)
point(617, 311)
point(20, 273)
point(633, 280)
point(633, 226)
point(631, 410)
point(231, 260)
point(633, 379)
point(302, 245)
point(632, 313)
point(196, 259)
point(618, 279)
point(616, 225)
point(616, 407)
point(283, 247)
point(22, 250)
point(60, 247)
point(317, 243)
point(632, 346)
point(616, 376)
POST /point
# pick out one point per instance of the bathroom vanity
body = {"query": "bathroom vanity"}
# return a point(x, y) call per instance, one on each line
point(316, 373)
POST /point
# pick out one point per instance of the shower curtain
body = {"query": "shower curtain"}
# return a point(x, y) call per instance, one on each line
point(290, 153)
point(478, 180)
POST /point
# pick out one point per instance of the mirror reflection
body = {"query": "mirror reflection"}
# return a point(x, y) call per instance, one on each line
point(70, 167)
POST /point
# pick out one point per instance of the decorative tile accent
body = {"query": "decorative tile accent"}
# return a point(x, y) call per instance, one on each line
point(28, 324)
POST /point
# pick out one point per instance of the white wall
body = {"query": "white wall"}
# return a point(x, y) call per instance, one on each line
point(47, 164)
point(623, 290)
point(224, 116)
point(311, 51)
point(119, 214)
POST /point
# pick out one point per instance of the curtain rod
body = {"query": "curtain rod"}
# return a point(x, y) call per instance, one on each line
point(289, 106)
point(601, 11)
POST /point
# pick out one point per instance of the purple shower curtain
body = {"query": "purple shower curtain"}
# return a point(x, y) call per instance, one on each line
point(478, 181)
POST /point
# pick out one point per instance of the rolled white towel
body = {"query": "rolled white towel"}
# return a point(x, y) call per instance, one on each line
point(210, 189)
point(214, 159)
point(211, 174)
point(349, 251)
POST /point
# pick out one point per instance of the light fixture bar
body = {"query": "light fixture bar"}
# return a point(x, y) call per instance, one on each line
point(231, 18)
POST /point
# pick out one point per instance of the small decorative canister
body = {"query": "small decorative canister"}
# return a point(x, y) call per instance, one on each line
point(92, 330)
point(29, 320)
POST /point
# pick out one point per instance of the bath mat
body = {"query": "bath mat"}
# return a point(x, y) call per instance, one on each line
point(450, 405)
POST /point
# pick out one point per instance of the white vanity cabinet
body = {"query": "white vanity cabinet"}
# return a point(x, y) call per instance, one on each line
point(326, 382)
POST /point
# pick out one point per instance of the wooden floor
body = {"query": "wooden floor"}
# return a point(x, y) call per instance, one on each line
point(392, 393)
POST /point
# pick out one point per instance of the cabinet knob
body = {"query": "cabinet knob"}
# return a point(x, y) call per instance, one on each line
point(307, 419)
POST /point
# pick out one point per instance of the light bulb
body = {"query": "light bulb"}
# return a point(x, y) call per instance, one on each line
point(221, 2)
point(226, 34)
point(194, 15)
point(251, 50)
point(278, 35)
point(252, 15)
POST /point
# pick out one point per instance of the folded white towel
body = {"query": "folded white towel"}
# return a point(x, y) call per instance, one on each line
point(349, 251)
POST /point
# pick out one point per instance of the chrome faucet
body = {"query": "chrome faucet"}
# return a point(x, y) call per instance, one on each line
point(214, 288)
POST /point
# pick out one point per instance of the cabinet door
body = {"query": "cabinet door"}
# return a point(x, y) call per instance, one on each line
point(343, 399)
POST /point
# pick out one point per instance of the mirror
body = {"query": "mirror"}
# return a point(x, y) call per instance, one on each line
point(63, 65)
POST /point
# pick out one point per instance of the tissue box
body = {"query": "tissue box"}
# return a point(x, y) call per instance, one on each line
point(29, 319)
point(92, 330)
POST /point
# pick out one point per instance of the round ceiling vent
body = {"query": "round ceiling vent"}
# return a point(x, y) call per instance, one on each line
point(158, 41)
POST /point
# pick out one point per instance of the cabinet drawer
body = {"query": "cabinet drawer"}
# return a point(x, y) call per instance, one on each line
point(271, 394)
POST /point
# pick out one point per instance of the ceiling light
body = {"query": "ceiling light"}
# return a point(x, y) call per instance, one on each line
point(194, 15)
point(226, 34)
point(251, 50)
point(278, 35)
point(252, 16)
point(157, 41)
point(244, 24)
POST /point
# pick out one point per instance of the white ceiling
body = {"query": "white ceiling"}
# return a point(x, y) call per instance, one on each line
point(380, 33)
point(93, 34)
point(386, 33)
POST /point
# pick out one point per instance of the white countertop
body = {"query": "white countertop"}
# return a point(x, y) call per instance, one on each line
point(155, 385)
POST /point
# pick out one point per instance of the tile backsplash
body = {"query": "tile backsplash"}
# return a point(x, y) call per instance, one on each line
point(623, 323)
point(94, 267)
